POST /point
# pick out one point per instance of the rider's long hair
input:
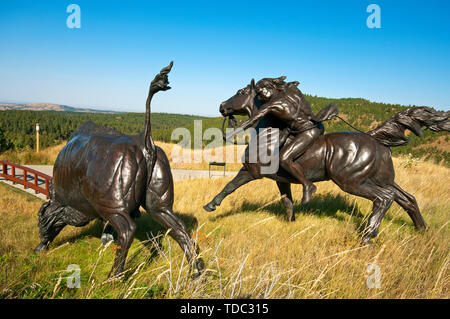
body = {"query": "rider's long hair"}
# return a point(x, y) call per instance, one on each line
point(275, 83)
point(282, 86)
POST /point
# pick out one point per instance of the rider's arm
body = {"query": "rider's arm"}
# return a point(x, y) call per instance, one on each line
point(251, 121)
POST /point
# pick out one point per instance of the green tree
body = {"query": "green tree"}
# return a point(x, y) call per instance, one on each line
point(4, 143)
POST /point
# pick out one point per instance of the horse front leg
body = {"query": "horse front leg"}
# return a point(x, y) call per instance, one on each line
point(242, 177)
point(286, 199)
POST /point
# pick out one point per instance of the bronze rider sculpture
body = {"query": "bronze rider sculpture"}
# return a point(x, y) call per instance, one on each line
point(286, 102)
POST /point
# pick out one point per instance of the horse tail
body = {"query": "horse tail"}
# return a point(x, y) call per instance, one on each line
point(392, 132)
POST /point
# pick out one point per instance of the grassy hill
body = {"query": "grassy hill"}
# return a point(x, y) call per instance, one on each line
point(56, 127)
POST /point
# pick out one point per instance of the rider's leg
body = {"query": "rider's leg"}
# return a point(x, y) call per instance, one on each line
point(294, 148)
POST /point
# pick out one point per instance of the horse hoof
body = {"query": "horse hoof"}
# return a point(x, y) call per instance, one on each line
point(307, 194)
point(367, 241)
point(422, 229)
point(209, 207)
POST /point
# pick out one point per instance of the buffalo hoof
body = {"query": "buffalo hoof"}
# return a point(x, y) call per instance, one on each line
point(199, 265)
point(209, 207)
point(106, 238)
point(41, 247)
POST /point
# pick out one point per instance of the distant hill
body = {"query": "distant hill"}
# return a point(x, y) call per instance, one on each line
point(47, 107)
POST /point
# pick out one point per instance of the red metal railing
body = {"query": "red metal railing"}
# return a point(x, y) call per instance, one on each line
point(32, 183)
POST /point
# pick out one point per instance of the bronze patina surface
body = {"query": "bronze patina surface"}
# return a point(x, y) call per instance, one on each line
point(359, 163)
point(103, 173)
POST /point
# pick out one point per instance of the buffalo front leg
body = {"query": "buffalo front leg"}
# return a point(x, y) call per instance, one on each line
point(51, 222)
point(286, 199)
point(382, 198)
point(242, 177)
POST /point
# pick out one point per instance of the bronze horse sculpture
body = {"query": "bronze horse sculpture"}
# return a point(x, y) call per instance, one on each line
point(359, 163)
point(103, 173)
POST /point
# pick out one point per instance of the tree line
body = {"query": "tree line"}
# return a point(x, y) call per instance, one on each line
point(17, 128)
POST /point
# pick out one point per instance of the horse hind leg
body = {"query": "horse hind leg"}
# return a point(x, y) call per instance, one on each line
point(286, 199)
point(381, 197)
point(409, 204)
point(380, 206)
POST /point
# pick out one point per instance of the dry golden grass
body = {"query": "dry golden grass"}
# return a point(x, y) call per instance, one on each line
point(46, 156)
point(249, 248)
point(320, 254)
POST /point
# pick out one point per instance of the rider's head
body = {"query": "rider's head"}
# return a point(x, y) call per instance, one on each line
point(267, 87)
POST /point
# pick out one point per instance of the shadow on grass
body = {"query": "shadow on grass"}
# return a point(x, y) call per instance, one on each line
point(148, 232)
point(320, 205)
point(145, 226)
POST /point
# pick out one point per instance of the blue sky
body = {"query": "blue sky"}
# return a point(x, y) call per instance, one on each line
point(217, 47)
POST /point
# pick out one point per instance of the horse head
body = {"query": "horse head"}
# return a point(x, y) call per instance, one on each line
point(244, 102)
